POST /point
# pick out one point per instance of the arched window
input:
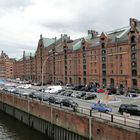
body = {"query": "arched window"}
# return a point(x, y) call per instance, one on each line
point(103, 52)
point(134, 64)
point(133, 39)
point(134, 82)
point(103, 45)
point(133, 55)
point(134, 73)
point(133, 48)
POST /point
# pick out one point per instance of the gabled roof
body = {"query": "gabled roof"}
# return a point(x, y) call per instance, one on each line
point(120, 34)
point(48, 41)
point(77, 43)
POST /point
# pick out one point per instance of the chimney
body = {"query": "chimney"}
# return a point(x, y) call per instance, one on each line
point(93, 33)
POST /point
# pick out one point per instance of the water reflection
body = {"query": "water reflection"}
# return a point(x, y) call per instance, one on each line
point(11, 129)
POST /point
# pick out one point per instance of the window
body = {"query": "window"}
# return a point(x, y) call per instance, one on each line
point(84, 49)
point(120, 56)
point(134, 82)
point(133, 56)
point(120, 64)
point(91, 64)
point(84, 66)
point(103, 66)
point(134, 64)
point(103, 52)
point(133, 48)
point(120, 49)
point(84, 73)
point(134, 72)
point(103, 59)
point(112, 71)
point(103, 45)
point(84, 55)
point(133, 39)
point(121, 72)
point(84, 61)
point(95, 70)
point(104, 73)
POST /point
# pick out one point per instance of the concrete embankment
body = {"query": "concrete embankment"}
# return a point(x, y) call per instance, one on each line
point(63, 124)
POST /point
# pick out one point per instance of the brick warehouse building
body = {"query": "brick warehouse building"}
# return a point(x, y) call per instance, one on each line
point(111, 58)
point(6, 66)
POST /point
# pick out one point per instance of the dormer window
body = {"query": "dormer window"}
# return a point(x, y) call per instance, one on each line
point(83, 43)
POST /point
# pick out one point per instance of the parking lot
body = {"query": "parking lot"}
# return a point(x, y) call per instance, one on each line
point(113, 101)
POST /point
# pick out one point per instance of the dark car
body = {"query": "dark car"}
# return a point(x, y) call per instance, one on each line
point(69, 103)
point(89, 96)
point(77, 87)
point(131, 94)
point(81, 94)
point(101, 107)
point(53, 99)
point(112, 90)
point(130, 108)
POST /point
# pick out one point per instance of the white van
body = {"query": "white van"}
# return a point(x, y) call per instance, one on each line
point(53, 89)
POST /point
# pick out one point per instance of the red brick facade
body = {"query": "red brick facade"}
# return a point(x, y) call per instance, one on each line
point(6, 66)
point(112, 58)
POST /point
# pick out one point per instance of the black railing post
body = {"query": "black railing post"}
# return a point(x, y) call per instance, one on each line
point(111, 117)
point(90, 112)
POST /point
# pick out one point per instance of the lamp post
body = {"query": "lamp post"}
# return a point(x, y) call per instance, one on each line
point(42, 72)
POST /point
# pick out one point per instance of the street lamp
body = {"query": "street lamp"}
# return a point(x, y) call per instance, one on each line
point(42, 73)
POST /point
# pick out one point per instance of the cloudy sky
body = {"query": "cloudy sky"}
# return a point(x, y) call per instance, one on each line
point(22, 21)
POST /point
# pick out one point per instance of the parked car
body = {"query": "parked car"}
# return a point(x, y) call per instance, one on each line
point(33, 94)
point(81, 94)
point(112, 90)
point(101, 107)
point(129, 108)
point(89, 96)
point(100, 90)
point(53, 99)
point(131, 94)
point(69, 86)
point(69, 103)
point(53, 89)
point(68, 93)
point(77, 87)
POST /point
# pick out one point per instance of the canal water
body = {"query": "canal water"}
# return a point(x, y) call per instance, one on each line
point(11, 129)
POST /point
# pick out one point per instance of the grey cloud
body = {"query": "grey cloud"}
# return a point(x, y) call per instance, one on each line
point(105, 16)
point(15, 50)
point(14, 3)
